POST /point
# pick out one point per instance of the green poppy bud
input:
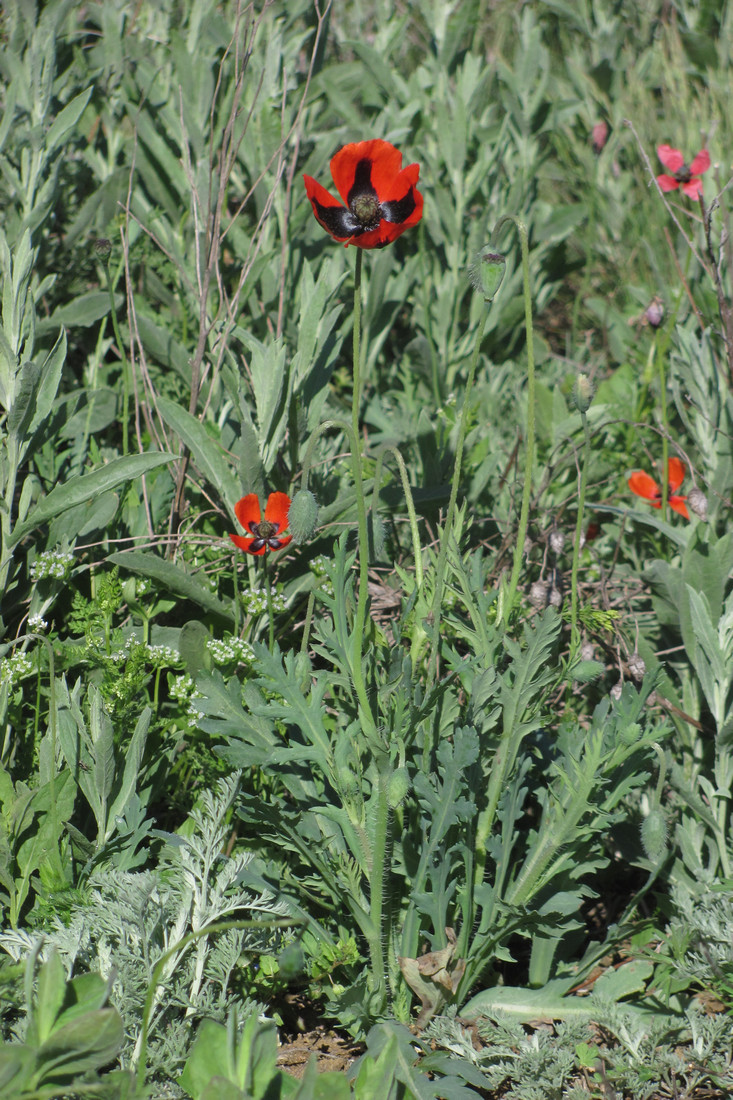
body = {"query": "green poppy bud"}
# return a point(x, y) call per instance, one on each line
point(488, 273)
point(399, 785)
point(654, 835)
point(303, 516)
point(583, 393)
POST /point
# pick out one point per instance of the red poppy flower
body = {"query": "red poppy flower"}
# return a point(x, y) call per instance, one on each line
point(381, 198)
point(688, 178)
point(645, 486)
point(265, 533)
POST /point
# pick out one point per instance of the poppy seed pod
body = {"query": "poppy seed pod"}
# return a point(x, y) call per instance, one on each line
point(489, 272)
point(303, 516)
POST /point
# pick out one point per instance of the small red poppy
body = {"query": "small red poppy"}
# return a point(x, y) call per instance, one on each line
point(645, 486)
point(688, 178)
point(381, 196)
point(265, 533)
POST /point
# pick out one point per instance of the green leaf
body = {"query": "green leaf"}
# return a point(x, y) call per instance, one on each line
point(66, 120)
point(85, 486)
point(172, 578)
point(207, 453)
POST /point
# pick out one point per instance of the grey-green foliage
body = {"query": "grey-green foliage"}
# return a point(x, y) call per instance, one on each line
point(495, 827)
point(143, 928)
point(641, 1056)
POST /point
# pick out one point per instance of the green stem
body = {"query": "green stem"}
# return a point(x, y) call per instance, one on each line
point(665, 425)
point(448, 529)
point(377, 883)
point(363, 594)
point(356, 393)
point(416, 548)
point(574, 632)
point(270, 606)
point(123, 359)
point(531, 416)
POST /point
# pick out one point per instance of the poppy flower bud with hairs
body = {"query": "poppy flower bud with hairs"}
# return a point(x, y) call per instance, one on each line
point(698, 503)
point(488, 273)
point(303, 516)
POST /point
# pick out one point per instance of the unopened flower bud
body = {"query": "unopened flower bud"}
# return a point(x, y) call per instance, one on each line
point(616, 690)
point(538, 594)
point(655, 312)
point(557, 541)
point(489, 272)
point(555, 597)
point(303, 516)
point(698, 503)
point(637, 666)
point(587, 651)
point(598, 136)
point(583, 393)
point(102, 247)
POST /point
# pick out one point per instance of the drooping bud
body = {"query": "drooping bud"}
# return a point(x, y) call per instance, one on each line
point(698, 503)
point(598, 136)
point(637, 666)
point(583, 393)
point(555, 597)
point(303, 516)
point(538, 594)
point(488, 273)
point(655, 312)
point(557, 541)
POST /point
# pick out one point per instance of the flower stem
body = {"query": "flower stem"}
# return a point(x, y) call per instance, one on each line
point(665, 427)
point(574, 631)
point(356, 394)
point(416, 549)
point(270, 606)
point(531, 416)
point(447, 530)
point(123, 358)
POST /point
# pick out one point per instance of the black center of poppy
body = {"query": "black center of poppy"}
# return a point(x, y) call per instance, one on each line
point(683, 175)
point(264, 529)
point(366, 209)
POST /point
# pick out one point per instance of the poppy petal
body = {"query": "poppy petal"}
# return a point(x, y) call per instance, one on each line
point(242, 542)
point(678, 504)
point(644, 486)
point(693, 188)
point(247, 510)
point(335, 218)
point(670, 158)
point(675, 473)
point(374, 162)
point(701, 163)
point(284, 540)
point(667, 183)
point(276, 511)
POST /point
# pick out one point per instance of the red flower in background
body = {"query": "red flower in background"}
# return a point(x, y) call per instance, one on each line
point(688, 178)
point(265, 533)
point(645, 486)
point(381, 196)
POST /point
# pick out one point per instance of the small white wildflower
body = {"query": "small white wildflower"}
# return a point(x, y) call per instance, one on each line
point(51, 563)
point(162, 654)
point(37, 622)
point(15, 668)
